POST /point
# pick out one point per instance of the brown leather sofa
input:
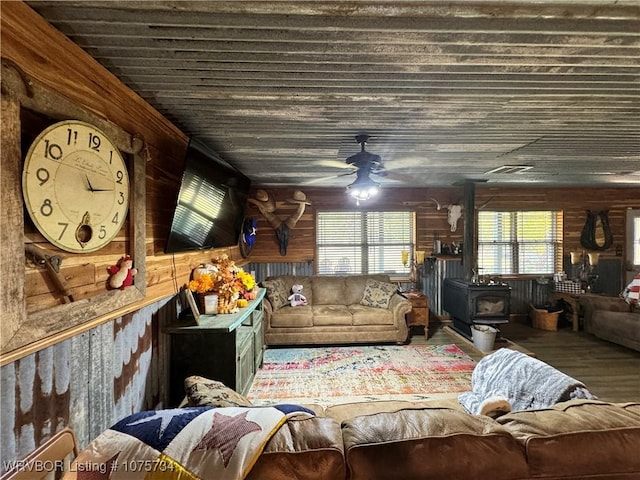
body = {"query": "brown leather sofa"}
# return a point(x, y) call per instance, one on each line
point(334, 313)
point(579, 439)
point(612, 319)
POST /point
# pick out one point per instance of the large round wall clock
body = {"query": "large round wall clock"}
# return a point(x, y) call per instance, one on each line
point(76, 186)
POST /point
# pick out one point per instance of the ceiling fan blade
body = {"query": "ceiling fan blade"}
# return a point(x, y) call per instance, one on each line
point(335, 164)
point(346, 173)
point(332, 177)
point(399, 177)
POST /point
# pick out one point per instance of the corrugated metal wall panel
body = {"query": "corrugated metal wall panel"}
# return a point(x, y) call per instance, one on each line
point(264, 270)
point(521, 293)
point(435, 271)
point(86, 382)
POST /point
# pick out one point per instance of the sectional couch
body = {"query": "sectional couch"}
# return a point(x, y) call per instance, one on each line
point(578, 439)
point(385, 440)
point(340, 309)
point(612, 319)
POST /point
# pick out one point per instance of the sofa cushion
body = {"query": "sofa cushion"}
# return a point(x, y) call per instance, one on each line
point(355, 286)
point(345, 411)
point(309, 448)
point(276, 292)
point(377, 294)
point(371, 316)
point(446, 443)
point(292, 317)
point(578, 438)
point(332, 315)
point(328, 290)
point(203, 392)
point(622, 328)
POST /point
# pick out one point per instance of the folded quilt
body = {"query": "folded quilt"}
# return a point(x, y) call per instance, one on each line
point(194, 443)
point(524, 382)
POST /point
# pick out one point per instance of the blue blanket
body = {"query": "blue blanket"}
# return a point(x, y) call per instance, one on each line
point(524, 382)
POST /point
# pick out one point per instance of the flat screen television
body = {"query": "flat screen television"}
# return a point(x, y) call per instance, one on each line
point(210, 207)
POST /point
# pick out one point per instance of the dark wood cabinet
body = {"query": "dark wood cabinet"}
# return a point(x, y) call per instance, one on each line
point(227, 348)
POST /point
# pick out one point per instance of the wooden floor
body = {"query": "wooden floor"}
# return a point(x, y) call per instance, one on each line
point(611, 372)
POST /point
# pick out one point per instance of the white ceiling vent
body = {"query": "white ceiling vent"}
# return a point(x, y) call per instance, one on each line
point(509, 169)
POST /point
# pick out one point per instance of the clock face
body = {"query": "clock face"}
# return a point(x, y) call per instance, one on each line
point(76, 186)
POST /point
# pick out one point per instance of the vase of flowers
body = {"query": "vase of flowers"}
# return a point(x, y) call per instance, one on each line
point(224, 279)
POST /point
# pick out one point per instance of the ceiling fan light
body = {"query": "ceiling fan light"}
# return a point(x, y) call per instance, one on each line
point(363, 188)
point(365, 194)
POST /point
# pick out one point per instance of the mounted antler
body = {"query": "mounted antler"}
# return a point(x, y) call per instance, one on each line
point(267, 208)
point(438, 207)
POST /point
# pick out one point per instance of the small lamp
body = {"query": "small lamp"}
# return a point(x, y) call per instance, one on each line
point(575, 257)
point(405, 257)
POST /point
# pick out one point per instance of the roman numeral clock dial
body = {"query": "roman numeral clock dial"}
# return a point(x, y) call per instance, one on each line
point(76, 186)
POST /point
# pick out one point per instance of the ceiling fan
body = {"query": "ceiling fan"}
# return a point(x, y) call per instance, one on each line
point(365, 164)
point(364, 160)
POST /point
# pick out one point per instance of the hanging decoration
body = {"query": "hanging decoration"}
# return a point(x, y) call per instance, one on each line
point(267, 207)
point(596, 233)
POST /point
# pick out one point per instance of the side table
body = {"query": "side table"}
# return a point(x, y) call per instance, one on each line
point(419, 314)
point(573, 299)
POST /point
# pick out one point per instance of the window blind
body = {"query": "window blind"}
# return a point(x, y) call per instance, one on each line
point(363, 242)
point(524, 242)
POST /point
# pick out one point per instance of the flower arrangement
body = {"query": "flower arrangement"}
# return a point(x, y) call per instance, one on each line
point(202, 284)
point(248, 284)
point(225, 279)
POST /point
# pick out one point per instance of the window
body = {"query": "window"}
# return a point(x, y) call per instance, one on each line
point(363, 242)
point(519, 242)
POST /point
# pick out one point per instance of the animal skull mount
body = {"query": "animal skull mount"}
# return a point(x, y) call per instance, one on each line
point(267, 207)
point(454, 213)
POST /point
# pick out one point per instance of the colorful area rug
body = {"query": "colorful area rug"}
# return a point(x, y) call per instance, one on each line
point(334, 375)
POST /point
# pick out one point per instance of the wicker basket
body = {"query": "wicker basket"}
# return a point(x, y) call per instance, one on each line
point(227, 305)
point(544, 320)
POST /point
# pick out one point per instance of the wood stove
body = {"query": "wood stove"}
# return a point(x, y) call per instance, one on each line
point(468, 303)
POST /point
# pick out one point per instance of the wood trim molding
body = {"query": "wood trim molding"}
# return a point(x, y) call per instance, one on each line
point(24, 333)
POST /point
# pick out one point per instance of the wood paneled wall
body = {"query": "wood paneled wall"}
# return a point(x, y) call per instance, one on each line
point(429, 220)
point(432, 223)
point(574, 202)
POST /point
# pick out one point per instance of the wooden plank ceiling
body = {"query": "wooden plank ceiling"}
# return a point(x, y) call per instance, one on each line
point(447, 91)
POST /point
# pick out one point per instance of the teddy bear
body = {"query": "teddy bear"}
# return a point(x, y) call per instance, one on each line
point(122, 274)
point(297, 299)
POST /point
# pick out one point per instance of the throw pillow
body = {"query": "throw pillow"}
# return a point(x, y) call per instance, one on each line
point(276, 293)
point(377, 294)
point(202, 392)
